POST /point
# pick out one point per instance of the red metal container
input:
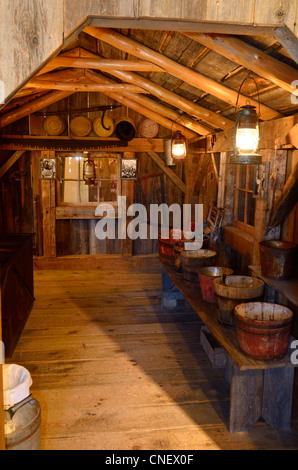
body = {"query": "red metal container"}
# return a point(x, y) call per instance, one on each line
point(206, 278)
point(263, 329)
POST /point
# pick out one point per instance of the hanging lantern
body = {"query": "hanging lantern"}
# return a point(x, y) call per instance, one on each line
point(89, 172)
point(178, 147)
point(246, 137)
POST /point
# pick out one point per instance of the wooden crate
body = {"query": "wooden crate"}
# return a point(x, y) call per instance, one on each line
point(215, 352)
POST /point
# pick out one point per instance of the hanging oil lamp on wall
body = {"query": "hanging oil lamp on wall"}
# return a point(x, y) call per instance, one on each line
point(89, 172)
point(246, 135)
point(178, 147)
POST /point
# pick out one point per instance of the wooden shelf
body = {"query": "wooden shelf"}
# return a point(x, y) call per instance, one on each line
point(288, 288)
point(225, 336)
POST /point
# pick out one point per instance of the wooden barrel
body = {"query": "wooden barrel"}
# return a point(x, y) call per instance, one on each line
point(235, 290)
point(100, 130)
point(125, 128)
point(192, 261)
point(263, 329)
point(81, 126)
point(54, 125)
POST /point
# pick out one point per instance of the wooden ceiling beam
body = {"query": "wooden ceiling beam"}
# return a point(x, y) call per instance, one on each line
point(167, 171)
point(140, 108)
point(158, 108)
point(215, 120)
point(84, 87)
point(191, 77)
point(204, 114)
point(288, 40)
point(250, 57)
point(32, 107)
point(103, 64)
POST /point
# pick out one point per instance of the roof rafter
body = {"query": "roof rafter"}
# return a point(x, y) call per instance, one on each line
point(250, 57)
point(191, 77)
point(178, 101)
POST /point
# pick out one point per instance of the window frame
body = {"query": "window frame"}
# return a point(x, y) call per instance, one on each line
point(237, 223)
point(82, 205)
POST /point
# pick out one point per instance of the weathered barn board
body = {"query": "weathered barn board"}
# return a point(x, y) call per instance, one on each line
point(34, 35)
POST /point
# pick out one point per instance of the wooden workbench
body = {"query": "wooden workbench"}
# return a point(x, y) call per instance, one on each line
point(258, 388)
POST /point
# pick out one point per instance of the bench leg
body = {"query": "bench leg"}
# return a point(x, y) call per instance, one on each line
point(245, 398)
point(278, 397)
point(261, 393)
point(170, 294)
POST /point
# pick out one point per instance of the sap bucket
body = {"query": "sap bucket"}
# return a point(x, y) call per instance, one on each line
point(192, 261)
point(278, 259)
point(233, 290)
point(263, 329)
point(206, 278)
point(22, 411)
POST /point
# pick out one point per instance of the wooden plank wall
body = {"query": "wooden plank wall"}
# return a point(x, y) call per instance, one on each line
point(30, 33)
point(36, 213)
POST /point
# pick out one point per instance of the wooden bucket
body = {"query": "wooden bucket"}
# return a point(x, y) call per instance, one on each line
point(54, 125)
point(166, 250)
point(192, 261)
point(100, 130)
point(235, 290)
point(125, 128)
point(263, 329)
point(81, 126)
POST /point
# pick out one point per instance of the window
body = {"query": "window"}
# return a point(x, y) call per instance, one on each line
point(73, 187)
point(244, 207)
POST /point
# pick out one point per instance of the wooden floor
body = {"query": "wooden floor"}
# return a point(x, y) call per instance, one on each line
point(114, 371)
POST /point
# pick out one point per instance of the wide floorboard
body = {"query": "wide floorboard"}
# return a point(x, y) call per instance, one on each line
point(112, 370)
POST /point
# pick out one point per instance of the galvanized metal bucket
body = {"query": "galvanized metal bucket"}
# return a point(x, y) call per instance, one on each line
point(278, 259)
point(22, 411)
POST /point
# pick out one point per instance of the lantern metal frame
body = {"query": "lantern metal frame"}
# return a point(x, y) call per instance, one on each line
point(88, 180)
point(177, 136)
point(248, 116)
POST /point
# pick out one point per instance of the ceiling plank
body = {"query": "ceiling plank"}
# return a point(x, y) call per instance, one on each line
point(250, 57)
point(191, 77)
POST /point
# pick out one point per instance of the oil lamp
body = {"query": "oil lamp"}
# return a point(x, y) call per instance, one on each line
point(246, 132)
point(178, 146)
point(246, 137)
point(89, 172)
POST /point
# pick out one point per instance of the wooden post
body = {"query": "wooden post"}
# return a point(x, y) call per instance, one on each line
point(128, 190)
point(48, 201)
